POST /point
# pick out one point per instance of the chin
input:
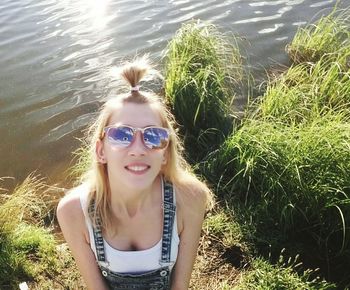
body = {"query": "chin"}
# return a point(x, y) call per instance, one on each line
point(140, 181)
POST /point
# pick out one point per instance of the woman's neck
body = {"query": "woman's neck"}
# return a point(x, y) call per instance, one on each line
point(127, 202)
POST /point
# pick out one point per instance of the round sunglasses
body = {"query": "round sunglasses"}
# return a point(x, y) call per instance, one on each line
point(123, 136)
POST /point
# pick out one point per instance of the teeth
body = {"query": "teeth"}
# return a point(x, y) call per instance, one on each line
point(137, 168)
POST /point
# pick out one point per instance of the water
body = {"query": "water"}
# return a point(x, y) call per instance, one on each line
point(56, 59)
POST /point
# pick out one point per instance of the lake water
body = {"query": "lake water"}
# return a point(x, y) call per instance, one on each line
point(56, 57)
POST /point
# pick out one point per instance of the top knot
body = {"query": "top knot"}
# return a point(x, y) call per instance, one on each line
point(133, 72)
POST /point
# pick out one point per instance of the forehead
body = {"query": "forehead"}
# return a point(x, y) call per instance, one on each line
point(136, 115)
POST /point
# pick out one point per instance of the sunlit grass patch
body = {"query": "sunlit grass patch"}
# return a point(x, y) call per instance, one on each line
point(297, 176)
point(263, 159)
point(24, 204)
point(202, 69)
point(329, 37)
point(29, 251)
point(283, 275)
point(223, 251)
point(306, 92)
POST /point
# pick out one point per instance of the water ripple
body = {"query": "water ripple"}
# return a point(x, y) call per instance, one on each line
point(56, 58)
point(272, 29)
point(274, 3)
point(321, 3)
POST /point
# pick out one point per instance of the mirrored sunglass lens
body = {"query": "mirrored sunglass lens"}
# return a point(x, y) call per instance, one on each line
point(156, 138)
point(120, 136)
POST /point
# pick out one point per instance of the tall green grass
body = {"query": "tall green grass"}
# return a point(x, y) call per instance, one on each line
point(330, 37)
point(307, 92)
point(24, 204)
point(289, 164)
point(297, 180)
point(305, 112)
point(202, 69)
point(318, 83)
point(288, 161)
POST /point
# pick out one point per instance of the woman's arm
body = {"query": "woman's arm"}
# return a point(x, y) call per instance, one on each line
point(191, 212)
point(71, 219)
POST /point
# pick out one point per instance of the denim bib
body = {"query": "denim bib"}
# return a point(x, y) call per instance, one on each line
point(158, 279)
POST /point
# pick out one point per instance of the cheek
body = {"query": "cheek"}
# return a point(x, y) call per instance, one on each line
point(159, 158)
point(113, 153)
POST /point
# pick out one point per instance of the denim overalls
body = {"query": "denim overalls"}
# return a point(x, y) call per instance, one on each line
point(158, 279)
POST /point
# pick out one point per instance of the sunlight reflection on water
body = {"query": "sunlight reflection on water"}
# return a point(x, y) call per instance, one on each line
point(57, 58)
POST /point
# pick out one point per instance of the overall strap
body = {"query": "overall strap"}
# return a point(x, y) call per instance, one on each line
point(169, 209)
point(99, 244)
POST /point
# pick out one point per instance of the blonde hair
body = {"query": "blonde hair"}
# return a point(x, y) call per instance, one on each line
point(176, 170)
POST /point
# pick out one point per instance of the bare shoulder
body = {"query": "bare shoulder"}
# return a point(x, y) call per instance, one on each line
point(69, 202)
point(69, 208)
point(72, 222)
point(191, 198)
point(191, 205)
point(191, 201)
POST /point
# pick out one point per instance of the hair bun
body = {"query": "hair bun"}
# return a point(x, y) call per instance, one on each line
point(133, 72)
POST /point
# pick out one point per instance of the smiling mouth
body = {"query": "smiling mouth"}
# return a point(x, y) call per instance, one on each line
point(137, 168)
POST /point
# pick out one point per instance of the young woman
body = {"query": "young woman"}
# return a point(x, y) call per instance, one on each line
point(135, 221)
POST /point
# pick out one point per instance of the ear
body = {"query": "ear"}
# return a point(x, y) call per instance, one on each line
point(100, 153)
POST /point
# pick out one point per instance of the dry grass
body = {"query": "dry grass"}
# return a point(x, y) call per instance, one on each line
point(211, 270)
point(222, 253)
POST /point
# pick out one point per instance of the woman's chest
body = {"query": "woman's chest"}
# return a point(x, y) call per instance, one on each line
point(137, 234)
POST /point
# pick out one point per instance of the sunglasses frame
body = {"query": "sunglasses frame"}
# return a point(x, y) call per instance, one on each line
point(135, 130)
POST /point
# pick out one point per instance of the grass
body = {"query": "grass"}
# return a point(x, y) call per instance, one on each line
point(296, 181)
point(202, 69)
point(29, 250)
point(318, 82)
point(281, 276)
point(288, 162)
point(328, 37)
point(307, 92)
point(23, 204)
point(228, 260)
point(222, 252)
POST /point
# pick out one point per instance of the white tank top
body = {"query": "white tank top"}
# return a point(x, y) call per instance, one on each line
point(129, 261)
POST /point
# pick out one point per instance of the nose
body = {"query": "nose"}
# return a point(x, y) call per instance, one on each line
point(137, 147)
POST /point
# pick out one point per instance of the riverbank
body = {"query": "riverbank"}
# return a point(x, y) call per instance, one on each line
point(280, 173)
point(283, 167)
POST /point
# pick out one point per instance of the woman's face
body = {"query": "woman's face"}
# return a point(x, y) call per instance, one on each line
point(135, 166)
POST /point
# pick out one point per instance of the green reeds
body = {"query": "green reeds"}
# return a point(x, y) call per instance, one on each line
point(202, 69)
point(297, 179)
point(307, 92)
point(329, 37)
point(289, 160)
